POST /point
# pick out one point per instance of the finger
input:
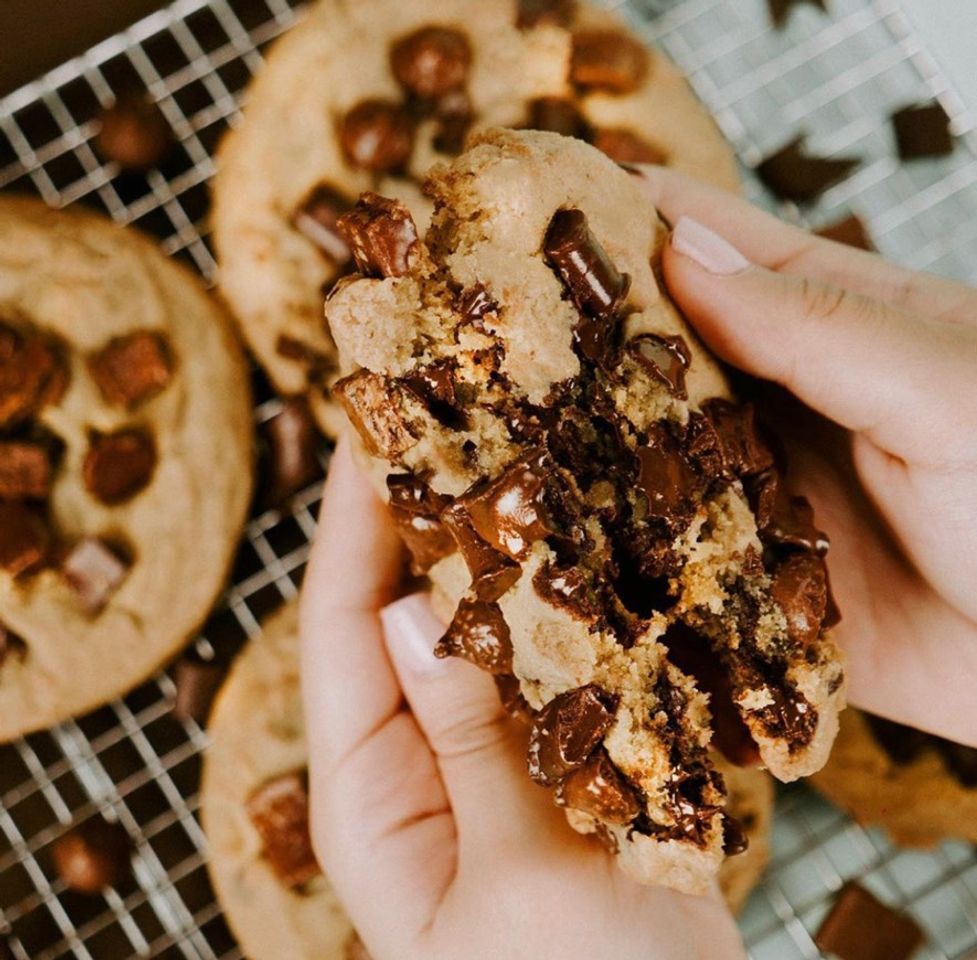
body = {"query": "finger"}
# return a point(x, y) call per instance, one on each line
point(864, 364)
point(770, 242)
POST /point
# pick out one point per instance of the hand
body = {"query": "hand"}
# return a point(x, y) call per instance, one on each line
point(422, 813)
point(888, 358)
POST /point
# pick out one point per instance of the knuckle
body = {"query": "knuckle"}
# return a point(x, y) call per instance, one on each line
point(822, 302)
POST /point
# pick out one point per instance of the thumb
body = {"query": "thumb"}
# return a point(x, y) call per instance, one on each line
point(864, 364)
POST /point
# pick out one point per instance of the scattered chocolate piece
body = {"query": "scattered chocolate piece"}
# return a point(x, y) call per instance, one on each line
point(800, 587)
point(922, 130)
point(431, 61)
point(535, 13)
point(665, 358)
point(12, 646)
point(607, 60)
point(376, 414)
point(514, 703)
point(558, 115)
point(743, 452)
point(24, 538)
point(94, 571)
point(598, 788)
point(93, 855)
point(625, 146)
point(794, 174)
point(134, 133)
point(478, 633)
point(735, 840)
point(317, 219)
point(415, 508)
point(25, 471)
point(381, 234)
point(32, 375)
point(279, 810)
point(491, 570)
point(197, 682)
point(666, 478)
point(780, 9)
point(119, 465)
point(566, 732)
point(377, 135)
point(132, 369)
point(860, 927)
point(850, 230)
point(292, 463)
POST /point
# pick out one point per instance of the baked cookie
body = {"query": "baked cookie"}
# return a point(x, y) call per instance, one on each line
point(599, 518)
point(125, 460)
point(276, 900)
point(921, 788)
point(366, 95)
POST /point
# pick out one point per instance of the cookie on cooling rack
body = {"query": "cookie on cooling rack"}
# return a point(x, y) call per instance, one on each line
point(570, 469)
point(125, 460)
point(366, 95)
point(921, 788)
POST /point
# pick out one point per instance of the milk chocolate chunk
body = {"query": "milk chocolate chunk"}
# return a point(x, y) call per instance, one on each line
point(558, 115)
point(922, 130)
point(416, 509)
point(381, 234)
point(317, 219)
point(478, 633)
point(791, 524)
point(377, 135)
point(513, 702)
point(24, 538)
point(455, 117)
point(780, 9)
point(279, 810)
point(12, 645)
point(625, 146)
point(197, 682)
point(132, 369)
point(377, 414)
point(93, 855)
point(94, 571)
point(850, 230)
point(666, 358)
point(431, 61)
point(119, 465)
point(800, 588)
point(794, 174)
point(491, 570)
point(25, 471)
point(607, 60)
point(566, 732)
point(666, 478)
point(598, 788)
point(291, 441)
point(742, 450)
point(861, 927)
point(535, 13)
point(134, 133)
point(32, 375)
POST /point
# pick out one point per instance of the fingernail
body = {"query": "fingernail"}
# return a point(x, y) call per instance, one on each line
point(714, 254)
point(412, 630)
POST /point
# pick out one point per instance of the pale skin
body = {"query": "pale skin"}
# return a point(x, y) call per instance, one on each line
point(437, 843)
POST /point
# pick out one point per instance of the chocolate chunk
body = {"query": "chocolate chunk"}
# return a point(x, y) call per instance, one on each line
point(377, 135)
point(434, 385)
point(794, 174)
point(32, 375)
point(119, 465)
point(743, 452)
point(570, 589)
point(12, 645)
point(93, 855)
point(279, 810)
point(702, 446)
point(197, 682)
point(607, 60)
point(292, 441)
point(790, 715)
point(381, 233)
point(132, 369)
point(431, 61)
point(625, 146)
point(478, 633)
point(475, 303)
point(558, 115)
point(535, 13)
point(492, 572)
point(598, 788)
point(791, 524)
point(666, 358)
point(566, 732)
point(922, 130)
point(415, 508)
point(514, 703)
point(25, 471)
point(376, 411)
point(800, 588)
point(317, 219)
point(94, 571)
point(455, 116)
point(134, 133)
point(850, 230)
point(666, 479)
point(24, 538)
point(735, 840)
point(780, 9)
point(860, 927)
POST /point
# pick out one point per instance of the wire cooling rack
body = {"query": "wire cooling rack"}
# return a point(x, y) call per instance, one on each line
point(834, 78)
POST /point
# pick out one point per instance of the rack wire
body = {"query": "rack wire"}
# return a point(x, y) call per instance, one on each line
point(835, 78)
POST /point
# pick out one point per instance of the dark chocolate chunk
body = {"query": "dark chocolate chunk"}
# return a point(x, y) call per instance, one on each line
point(431, 61)
point(416, 509)
point(491, 570)
point(666, 358)
point(12, 645)
point(94, 571)
point(24, 538)
point(666, 479)
point(292, 441)
point(860, 927)
point(32, 375)
point(790, 715)
point(453, 127)
point(598, 788)
point(535, 13)
point(850, 230)
point(570, 589)
point(377, 414)
point(780, 9)
point(93, 855)
point(922, 130)
point(134, 133)
point(132, 369)
point(743, 451)
point(381, 234)
point(119, 465)
point(514, 703)
point(608, 60)
point(377, 135)
point(435, 386)
point(735, 840)
point(566, 732)
point(279, 810)
point(197, 682)
point(478, 633)
point(475, 303)
point(25, 471)
point(558, 115)
point(791, 524)
point(794, 174)
point(625, 146)
point(800, 587)
point(317, 219)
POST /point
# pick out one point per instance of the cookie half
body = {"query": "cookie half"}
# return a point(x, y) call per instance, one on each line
point(125, 460)
point(365, 96)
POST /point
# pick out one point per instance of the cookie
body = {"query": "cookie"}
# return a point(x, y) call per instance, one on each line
point(600, 519)
point(921, 788)
point(365, 96)
point(255, 751)
point(125, 460)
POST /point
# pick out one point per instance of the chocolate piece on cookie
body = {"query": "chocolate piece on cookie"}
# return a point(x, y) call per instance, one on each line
point(32, 375)
point(119, 465)
point(25, 471)
point(377, 135)
point(608, 60)
point(12, 645)
point(133, 368)
point(25, 538)
point(431, 61)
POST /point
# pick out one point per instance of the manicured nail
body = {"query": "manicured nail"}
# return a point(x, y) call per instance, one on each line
point(714, 254)
point(412, 630)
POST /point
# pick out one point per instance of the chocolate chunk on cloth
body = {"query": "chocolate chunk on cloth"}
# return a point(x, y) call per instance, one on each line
point(780, 10)
point(94, 571)
point(850, 230)
point(132, 369)
point(793, 173)
point(861, 927)
point(134, 133)
point(119, 465)
point(93, 855)
point(922, 130)
point(292, 443)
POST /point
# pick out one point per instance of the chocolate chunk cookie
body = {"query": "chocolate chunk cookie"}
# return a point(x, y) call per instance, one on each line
point(619, 529)
point(125, 460)
point(367, 96)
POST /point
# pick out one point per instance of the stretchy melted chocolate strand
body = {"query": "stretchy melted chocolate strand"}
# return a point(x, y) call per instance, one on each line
point(478, 633)
point(132, 369)
point(608, 60)
point(377, 135)
point(431, 61)
point(922, 130)
point(794, 174)
point(317, 219)
point(119, 465)
point(25, 471)
point(861, 927)
point(665, 358)
point(599, 789)
point(381, 234)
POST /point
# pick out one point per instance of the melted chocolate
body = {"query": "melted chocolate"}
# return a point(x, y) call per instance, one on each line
point(514, 703)
point(665, 358)
point(742, 450)
point(416, 508)
point(435, 385)
point(598, 788)
point(735, 840)
point(569, 589)
point(666, 479)
point(475, 303)
point(790, 716)
point(492, 572)
point(800, 587)
point(478, 633)
point(566, 732)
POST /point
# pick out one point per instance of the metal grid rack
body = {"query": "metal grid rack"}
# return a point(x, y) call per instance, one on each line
point(834, 78)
